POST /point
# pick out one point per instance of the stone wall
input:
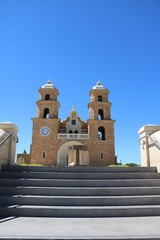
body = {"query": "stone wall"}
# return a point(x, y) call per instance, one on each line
point(23, 158)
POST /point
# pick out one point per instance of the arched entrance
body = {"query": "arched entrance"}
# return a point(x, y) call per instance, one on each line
point(63, 153)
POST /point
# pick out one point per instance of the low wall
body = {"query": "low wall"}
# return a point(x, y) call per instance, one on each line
point(150, 146)
point(8, 148)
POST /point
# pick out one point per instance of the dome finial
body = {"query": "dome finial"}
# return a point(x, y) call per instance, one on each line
point(98, 83)
point(49, 82)
point(99, 86)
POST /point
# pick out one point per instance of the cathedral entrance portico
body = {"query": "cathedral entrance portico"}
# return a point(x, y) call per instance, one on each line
point(62, 157)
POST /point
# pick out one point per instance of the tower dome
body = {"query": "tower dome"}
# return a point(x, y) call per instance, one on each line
point(99, 86)
point(48, 85)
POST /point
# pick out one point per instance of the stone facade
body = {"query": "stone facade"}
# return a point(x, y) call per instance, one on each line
point(8, 140)
point(52, 138)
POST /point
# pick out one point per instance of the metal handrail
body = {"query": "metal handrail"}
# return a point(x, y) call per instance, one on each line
point(5, 139)
point(154, 141)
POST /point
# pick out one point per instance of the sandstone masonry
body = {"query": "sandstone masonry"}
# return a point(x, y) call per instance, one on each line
point(52, 138)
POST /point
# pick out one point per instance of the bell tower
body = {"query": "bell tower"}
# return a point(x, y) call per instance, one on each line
point(100, 127)
point(45, 126)
point(47, 106)
point(99, 107)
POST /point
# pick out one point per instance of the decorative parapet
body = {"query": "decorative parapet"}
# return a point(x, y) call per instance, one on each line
point(72, 136)
point(8, 140)
point(149, 145)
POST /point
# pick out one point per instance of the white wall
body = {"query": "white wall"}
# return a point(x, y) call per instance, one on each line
point(8, 149)
point(150, 153)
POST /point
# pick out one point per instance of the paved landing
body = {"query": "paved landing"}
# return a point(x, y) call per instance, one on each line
point(80, 228)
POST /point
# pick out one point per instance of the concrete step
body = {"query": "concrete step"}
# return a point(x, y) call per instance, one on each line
point(80, 211)
point(79, 191)
point(79, 182)
point(87, 169)
point(79, 200)
point(79, 175)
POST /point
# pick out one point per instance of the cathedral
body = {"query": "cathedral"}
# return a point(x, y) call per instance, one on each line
point(73, 141)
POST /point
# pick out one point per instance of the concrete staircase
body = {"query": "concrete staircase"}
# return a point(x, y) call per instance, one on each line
point(79, 192)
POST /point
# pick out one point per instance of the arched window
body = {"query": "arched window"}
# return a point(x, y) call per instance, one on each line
point(44, 155)
point(100, 114)
point(75, 131)
point(47, 97)
point(99, 98)
point(70, 131)
point(46, 113)
point(73, 122)
point(101, 156)
point(101, 133)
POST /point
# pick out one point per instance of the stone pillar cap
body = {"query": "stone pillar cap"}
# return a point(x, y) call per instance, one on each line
point(149, 128)
point(8, 125)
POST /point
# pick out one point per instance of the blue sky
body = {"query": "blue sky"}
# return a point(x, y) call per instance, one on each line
point(75, 43)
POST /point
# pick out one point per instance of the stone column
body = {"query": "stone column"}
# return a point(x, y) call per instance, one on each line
point(83, 155)
point(72, 155)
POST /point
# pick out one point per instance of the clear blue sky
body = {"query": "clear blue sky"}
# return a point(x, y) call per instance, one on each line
point(75, 43)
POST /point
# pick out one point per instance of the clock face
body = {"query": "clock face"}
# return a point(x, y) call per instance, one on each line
point(45, 131)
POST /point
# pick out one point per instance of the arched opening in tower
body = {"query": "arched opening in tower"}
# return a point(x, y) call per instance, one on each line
point(46, 113)
point(101, 133)
point(100, 114)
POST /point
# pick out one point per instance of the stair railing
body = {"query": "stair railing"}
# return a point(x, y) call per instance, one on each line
point(153, 141)
point(8, 135)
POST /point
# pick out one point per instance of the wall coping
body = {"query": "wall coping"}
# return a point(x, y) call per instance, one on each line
point(149, 128)
point(8, 125)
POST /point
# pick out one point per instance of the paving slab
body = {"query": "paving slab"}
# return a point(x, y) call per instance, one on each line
point(80, 228)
